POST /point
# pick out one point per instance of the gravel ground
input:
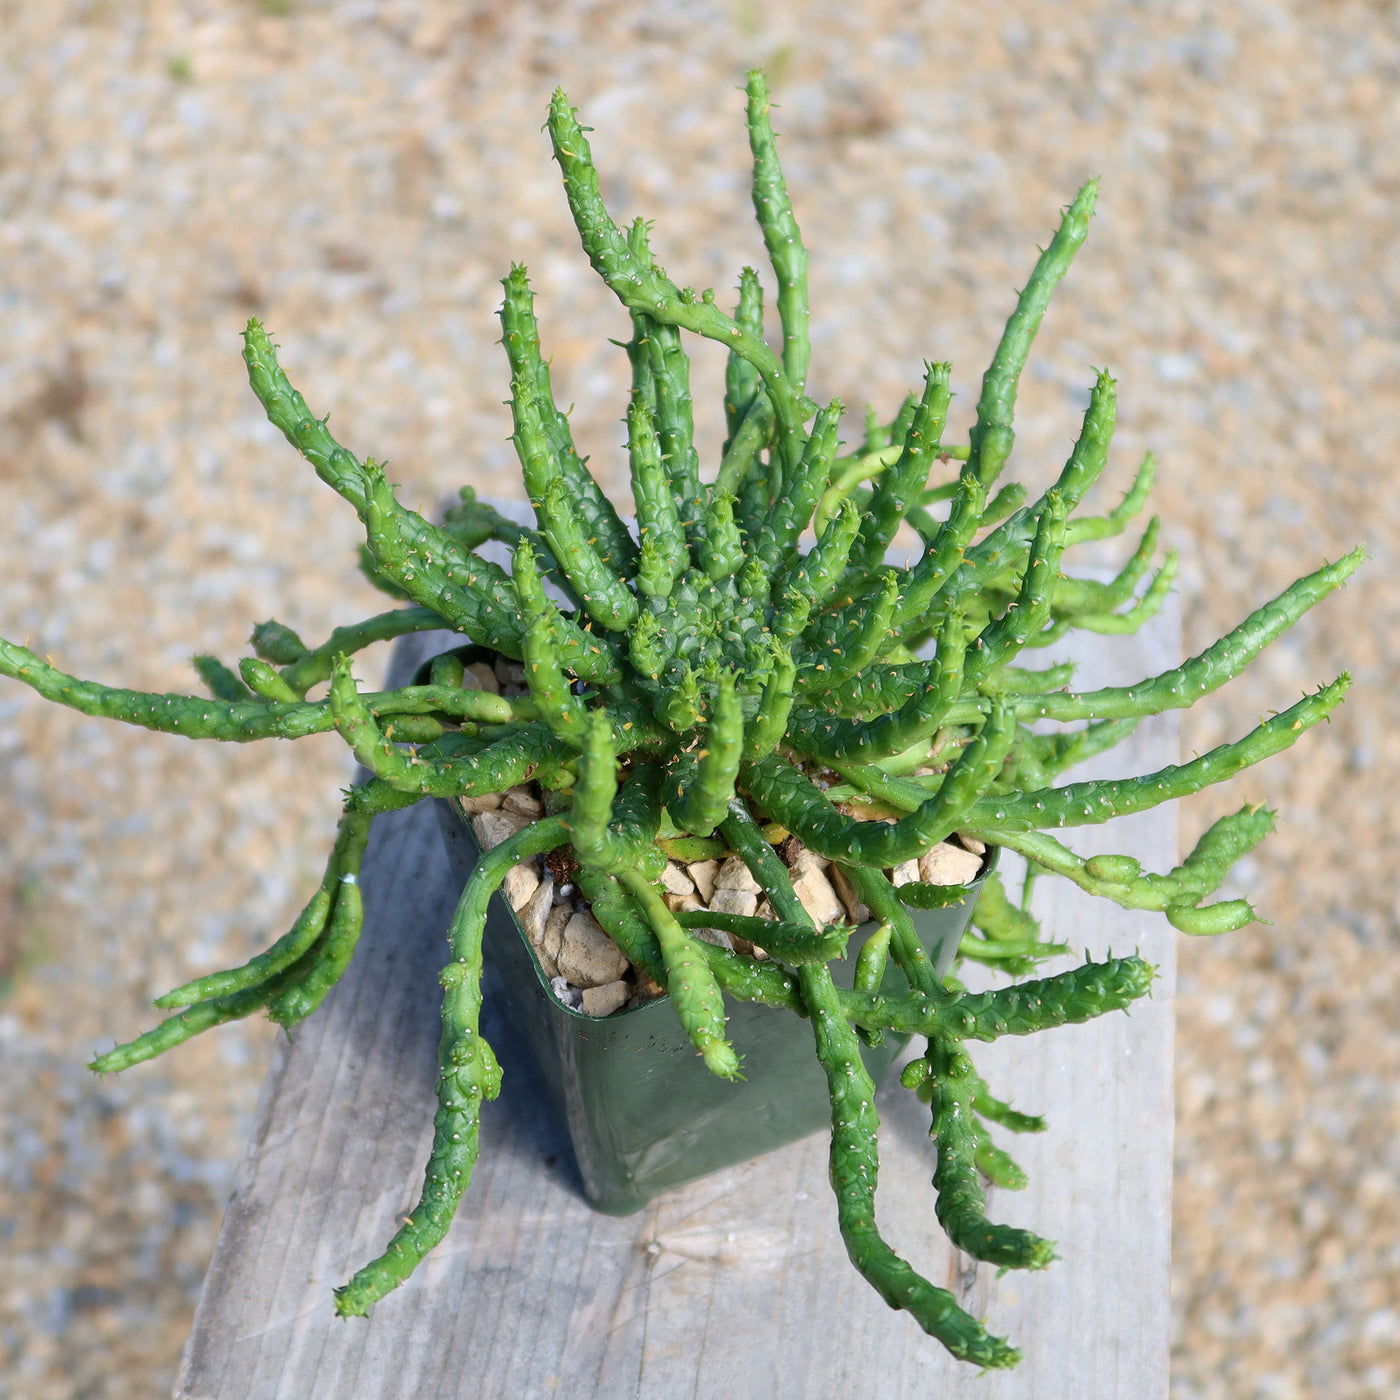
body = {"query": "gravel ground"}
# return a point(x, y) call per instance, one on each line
point(359, 175)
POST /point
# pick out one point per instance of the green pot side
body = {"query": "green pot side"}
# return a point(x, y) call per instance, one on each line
point(644, 1114)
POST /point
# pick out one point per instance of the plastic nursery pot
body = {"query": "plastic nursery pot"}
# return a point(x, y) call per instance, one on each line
point(643, 1113)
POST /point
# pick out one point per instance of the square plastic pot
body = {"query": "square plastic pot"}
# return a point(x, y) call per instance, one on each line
point(643, 1113)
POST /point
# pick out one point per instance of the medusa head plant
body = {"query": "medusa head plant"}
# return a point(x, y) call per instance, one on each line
point(716, 674)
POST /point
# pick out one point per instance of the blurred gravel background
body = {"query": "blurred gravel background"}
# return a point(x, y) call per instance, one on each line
point(360, 175)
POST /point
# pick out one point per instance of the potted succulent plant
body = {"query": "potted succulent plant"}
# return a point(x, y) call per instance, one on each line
point(742, 678)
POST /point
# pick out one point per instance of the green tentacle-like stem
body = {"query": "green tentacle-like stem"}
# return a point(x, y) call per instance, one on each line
point(790, 797)
point(521, 339)
point(1205, 672)
point(642, 287)
point(835, 739)
point(961, 1200)
point(1122, 879)
point(1079, 804)
point(295, 972)
point(468, 1075)
point(792, 943)
point(992, 435)
point(614, 835)
point(689, 979)
point(854, 1174)
point(898, 488)
point(313, 665)
point(240, 721)
point(855, 1124)
point(1068, 998)
point(700, 787)
point(781, 235)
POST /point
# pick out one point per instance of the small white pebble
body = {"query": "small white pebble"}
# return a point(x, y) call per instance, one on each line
point(568, 996)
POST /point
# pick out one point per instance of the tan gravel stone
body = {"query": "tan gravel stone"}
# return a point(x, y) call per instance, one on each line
point(551, 941)
point(587, 956)
point(494, 827)
point(479, 676)
point(675, 881)
point(735, 875)
point(806, 859)
point(818, 898)
point(604, 1000)
point(972, 843)
point(520, 884)
point(522, 802)
point(488, 802)
point(683, 903)
point(732, 901)
point(947, 864)
point(535, 915)
point(846, 892)
point(906, 874)
point(703, 872)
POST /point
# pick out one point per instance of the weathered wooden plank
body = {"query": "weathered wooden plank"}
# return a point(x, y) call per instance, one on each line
point(736, 1285)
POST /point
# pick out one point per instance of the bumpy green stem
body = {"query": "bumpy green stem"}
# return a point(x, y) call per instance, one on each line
point(641, 286)
point(961, 1200)
point(614, 835)
point(781, 235)
point(992, 435)
point(468, 1075)
point(701, 786)
point(1080, 804)
point(900, 485)
point(854, 1174)
point(689, 979)
point(789, 797)
point(521, 338)
point(854, 1128)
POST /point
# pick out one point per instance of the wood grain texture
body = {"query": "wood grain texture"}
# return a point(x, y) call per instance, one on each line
point(735, 1286)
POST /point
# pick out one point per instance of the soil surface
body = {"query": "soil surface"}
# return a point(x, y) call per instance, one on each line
point(359, 175)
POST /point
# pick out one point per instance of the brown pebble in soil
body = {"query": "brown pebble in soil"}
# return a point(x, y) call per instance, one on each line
point(816, 895)
point(551, 940)
point(488, 802)
point(523, 803)
point(520, 883)
point(535, 915)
